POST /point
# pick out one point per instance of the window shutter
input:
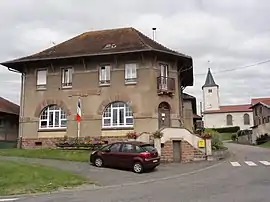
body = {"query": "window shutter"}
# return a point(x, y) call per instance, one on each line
point(41, 77)
point(134, 71)
point(101, 73)
point(107, 73)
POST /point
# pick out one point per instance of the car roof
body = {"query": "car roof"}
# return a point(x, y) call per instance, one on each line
point(137, 143)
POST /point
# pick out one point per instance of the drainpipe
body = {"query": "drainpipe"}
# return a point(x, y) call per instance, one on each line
point(21, 105)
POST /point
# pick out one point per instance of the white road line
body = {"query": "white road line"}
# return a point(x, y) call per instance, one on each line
point(250, 163)
point(235, 164)
point(9, 199)
point(265, 163)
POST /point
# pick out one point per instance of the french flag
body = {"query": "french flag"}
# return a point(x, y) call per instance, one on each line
point(79, 110)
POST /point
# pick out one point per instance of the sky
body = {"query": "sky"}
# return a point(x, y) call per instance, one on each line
point(227, 36)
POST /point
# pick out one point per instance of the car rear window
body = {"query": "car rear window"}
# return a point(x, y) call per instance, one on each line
point(147, 148)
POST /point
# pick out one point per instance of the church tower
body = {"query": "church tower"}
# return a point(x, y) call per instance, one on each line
point(210, 93)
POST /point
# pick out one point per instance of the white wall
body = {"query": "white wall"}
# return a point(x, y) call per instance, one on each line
point(219, 120)
point(211, 100)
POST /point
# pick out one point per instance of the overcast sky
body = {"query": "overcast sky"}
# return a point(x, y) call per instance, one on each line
point(228, 33)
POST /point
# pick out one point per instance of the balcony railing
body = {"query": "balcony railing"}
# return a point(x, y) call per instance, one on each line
point(165, 85)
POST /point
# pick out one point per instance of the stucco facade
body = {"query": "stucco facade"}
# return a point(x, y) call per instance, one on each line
point(219, 120)
point(141, 96)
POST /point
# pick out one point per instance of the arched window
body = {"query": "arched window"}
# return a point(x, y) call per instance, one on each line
point(52, 117)
point(229, 120)
point(117, 114)
point(246, 119)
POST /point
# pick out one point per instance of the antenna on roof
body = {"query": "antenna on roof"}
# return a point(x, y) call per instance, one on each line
point(154, 32)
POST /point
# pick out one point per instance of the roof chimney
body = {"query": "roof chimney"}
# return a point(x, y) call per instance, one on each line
point(154, 33)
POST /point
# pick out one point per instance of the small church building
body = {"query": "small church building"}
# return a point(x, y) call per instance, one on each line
point(221, 116)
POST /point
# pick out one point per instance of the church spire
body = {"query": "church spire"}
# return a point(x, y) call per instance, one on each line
point(209, 82)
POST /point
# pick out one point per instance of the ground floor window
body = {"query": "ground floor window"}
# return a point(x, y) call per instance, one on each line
point(53, 117)
point(117, 114)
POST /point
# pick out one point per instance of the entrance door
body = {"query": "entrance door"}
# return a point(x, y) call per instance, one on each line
point(164, 76)
point(176, 151)
point(164, 115)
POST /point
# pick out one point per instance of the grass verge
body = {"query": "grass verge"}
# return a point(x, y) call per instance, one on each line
point(58, 154)
point(20, 178)
point(265, 145)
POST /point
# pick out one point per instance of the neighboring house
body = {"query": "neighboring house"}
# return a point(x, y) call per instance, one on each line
point(9, 120)
point(217, 116)
point(261, 116)
point(191, 119)
point(126, 81)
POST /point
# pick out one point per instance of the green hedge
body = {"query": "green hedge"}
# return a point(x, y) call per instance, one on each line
point(227, 129)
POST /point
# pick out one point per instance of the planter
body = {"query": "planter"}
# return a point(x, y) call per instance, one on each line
point(157, 145)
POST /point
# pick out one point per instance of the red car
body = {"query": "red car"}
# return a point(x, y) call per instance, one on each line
point(138, 156)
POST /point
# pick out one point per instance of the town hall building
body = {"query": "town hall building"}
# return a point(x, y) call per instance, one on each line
point(221, 116)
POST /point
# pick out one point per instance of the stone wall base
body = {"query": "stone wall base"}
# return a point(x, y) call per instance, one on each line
point(187, 154)
point(39, 143)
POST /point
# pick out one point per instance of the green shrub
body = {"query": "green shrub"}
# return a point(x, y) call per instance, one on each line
point(233, 137)
point(262, 139)
point(216, 142)
point(227, 129)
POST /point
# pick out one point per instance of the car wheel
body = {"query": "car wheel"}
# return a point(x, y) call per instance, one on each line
point(137, 167)
point(98, 162)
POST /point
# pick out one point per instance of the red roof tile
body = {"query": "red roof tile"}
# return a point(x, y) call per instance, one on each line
point(262, 100)
point(231, 108)
point(9, 107)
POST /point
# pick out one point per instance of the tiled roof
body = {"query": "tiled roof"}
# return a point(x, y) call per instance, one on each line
point(9, 107)
point(188, 96)
point(231, 109)
point(209, 81)
point(102, 42)
point(263, 101)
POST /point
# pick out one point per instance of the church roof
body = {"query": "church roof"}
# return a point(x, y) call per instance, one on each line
point(209, 82)
point(231, 109)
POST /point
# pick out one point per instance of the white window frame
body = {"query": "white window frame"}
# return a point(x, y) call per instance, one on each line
point(130, 73)
point(104, 74)
point(41, 82)
point(67, 78)
point(115, 123)
point(45, 118)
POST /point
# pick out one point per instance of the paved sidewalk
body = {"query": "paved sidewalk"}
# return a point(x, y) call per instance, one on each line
point(107, 176)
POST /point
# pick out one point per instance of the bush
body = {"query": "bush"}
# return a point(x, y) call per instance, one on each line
point(227, 129)
point(234, 137)
point(262, 139)
point(216, 142)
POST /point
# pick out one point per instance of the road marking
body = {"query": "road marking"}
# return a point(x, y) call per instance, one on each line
point(235, 164)
point(8, 199)
point(265, 163)
point(250, 163)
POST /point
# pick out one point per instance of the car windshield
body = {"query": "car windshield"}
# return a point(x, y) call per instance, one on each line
point(147, 148)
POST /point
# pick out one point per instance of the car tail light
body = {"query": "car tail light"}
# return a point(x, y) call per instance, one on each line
point(145, 154)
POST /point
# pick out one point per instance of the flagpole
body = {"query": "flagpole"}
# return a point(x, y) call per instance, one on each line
point(79, 115)
point(79, 129)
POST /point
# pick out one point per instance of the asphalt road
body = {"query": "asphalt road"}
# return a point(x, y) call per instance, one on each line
point(247, 181)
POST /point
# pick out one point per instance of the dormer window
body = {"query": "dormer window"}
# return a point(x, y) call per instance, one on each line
point(109, 46)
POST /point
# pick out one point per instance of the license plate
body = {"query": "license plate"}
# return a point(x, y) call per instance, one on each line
point(155, 161)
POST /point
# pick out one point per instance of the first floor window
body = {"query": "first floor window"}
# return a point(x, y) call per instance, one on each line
point(229, 120)
point(67, 77)
point(117, 114)
point(53, 117)
point(104, 74)
point(246, 119)
point(130, 72)
point(41, 79)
